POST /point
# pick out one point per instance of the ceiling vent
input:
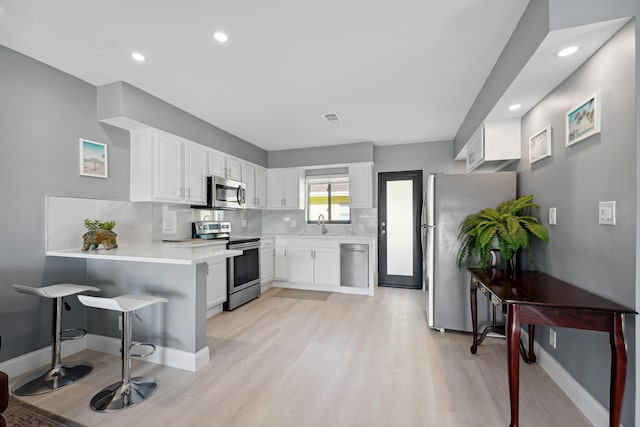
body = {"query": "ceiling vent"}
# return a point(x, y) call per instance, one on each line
point(332, 118)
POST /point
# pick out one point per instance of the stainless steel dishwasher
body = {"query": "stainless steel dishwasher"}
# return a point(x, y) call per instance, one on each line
point(354, 265)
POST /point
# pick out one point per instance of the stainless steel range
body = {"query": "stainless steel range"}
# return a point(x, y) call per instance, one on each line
point(243, 271)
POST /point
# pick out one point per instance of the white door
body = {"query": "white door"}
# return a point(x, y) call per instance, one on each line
point(216, 164)
point(266, 265)
point(168, 168)
point(216, 283)
point(195, 171)
point(327, 266)
point(234, 169)
point(260, 187)
point(280, 264)
point(291, 189)
point(276, 188)
point(300, 265)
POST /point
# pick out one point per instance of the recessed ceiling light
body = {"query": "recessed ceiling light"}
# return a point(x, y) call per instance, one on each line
point(138, 57)
point(514, 107)
point(567, 51)
point(221, 37)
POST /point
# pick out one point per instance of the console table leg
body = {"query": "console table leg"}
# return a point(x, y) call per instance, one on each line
point(532, 332)
point(474, 313)
point(618, 368)
point(513, 354)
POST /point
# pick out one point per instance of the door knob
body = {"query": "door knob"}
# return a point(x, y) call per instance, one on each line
point(383, 224)
point(383, 232)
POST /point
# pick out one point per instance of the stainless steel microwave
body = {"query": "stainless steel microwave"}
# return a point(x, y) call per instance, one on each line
point(224, 194)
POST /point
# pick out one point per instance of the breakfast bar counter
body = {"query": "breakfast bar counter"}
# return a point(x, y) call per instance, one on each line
point(171, 270)
point(153, 252)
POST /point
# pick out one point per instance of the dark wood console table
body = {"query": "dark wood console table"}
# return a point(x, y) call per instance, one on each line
point(538, 299)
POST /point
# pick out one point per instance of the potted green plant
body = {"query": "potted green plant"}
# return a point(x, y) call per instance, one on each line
point(99, 233)
point(510, 227)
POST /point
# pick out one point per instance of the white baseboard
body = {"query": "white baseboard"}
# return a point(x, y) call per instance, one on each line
point(40, 358)
point(590, 407)
point(163, 355)
point(216, 309)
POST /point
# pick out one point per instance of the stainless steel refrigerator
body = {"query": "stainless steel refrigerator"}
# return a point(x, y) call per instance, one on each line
point(448, 200)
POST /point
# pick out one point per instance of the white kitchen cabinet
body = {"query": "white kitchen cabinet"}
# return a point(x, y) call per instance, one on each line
point(225, 166)
point(280, 260)
point(216, 283)
point(285, 186)
point(255, 178)
point(266, 260)
point(166, 168)
point(313, 262)
point(494, 145)
point(326, 269)
point(360, 185)
point(300, 264)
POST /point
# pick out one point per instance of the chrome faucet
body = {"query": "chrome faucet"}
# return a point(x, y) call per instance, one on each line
point(321, 222)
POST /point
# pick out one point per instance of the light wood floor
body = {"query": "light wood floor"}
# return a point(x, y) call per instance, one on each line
point(348, 361)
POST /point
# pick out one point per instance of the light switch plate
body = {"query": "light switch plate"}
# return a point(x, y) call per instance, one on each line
point(552, 216)
point(607, 213)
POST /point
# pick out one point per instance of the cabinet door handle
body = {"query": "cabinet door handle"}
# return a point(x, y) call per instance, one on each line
point(189, 192)
point(285, 253)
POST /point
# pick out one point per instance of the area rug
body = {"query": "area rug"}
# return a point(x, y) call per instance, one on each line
point(302, 294)
point(20, 413)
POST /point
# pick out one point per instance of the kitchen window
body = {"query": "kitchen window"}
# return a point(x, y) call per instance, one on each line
point(328, 196)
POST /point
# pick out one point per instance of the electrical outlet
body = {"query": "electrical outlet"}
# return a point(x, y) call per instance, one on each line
point(552, 216)
point(552, 338)
point(120, 322)
point(244, 223)
point(292, 223)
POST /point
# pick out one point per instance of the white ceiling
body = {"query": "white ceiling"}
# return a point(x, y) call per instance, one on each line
point(395, 71)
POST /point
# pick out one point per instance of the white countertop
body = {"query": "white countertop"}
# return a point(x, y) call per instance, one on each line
point(154, 252)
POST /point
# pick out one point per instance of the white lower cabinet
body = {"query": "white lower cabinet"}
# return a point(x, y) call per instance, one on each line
point(216, 283)
point(280, 261)
point(266, 260)
point(313, 263)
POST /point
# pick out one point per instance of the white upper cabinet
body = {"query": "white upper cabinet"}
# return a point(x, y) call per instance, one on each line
point(494, 145)
point(360, 185)
point(224, 166)
point(255, 179)
point(165, 167)
point(284, 188)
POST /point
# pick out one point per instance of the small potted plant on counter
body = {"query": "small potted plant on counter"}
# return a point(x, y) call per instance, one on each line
point(510, 227)
point(99, 233)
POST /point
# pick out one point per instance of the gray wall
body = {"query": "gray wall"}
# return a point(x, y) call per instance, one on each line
point(123, 100)
point(529, 33)
point(430, 157)
point(317, 156)
point(43, 113)
point(574, 179)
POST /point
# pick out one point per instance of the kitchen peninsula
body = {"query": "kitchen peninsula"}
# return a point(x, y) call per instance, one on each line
point(139, 265)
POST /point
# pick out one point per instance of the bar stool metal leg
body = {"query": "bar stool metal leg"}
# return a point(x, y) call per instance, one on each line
point(57, 375)
point(129, 391)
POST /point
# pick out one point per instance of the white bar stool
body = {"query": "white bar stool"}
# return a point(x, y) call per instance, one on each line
point(128, 391)
point(57, 375)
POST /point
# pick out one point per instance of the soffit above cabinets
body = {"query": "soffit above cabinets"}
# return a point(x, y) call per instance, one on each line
point(545, 71)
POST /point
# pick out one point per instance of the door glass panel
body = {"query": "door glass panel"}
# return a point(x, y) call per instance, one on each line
point(400, 227)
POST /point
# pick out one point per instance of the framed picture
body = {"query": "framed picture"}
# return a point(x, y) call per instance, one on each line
point(93, 159)
point(583, 120)
point(540, 145)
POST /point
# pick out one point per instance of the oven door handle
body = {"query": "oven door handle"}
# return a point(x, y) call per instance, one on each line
point(244, 246)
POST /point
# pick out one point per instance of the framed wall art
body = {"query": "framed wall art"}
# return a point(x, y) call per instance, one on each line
point(540, 145)
point(93, 159)
point(583, 120)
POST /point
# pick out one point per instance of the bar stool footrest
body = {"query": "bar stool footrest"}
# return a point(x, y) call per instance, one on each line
point(143, 344)
point(82, 333)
